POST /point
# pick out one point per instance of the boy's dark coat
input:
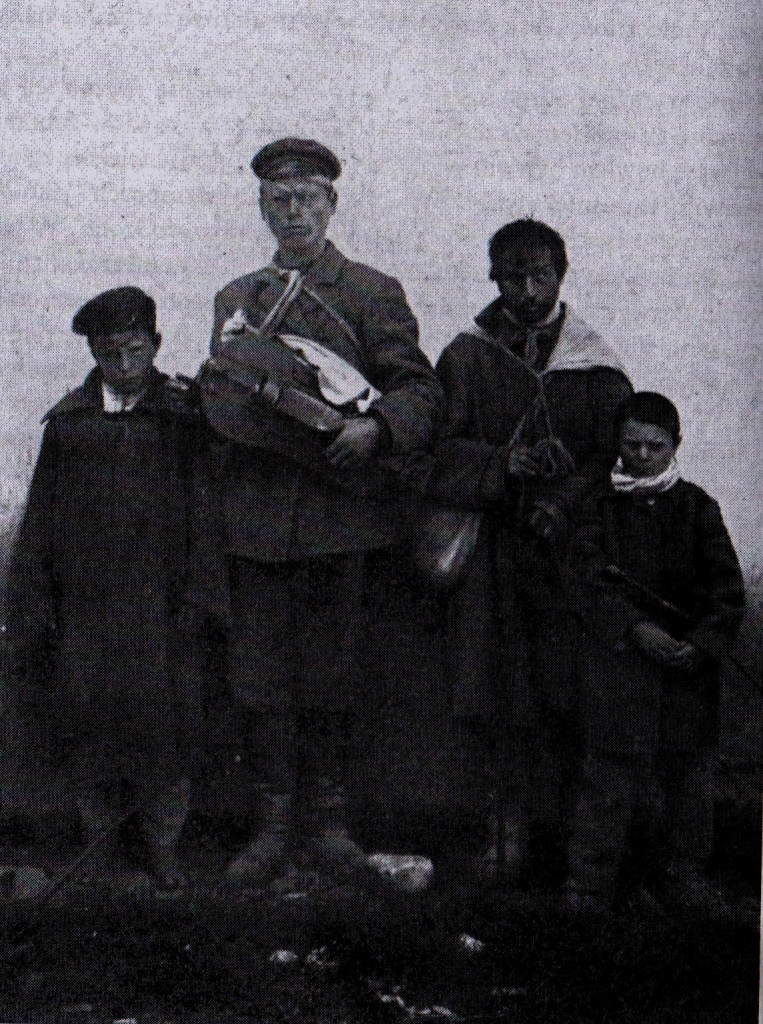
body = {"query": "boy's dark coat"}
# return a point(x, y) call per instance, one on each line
point(676, 545)
point(119, 535)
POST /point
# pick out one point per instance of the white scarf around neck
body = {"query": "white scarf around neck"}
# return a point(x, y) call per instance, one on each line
point(624, 483)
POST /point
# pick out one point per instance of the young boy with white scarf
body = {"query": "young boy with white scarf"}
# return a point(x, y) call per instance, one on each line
point(655, 583)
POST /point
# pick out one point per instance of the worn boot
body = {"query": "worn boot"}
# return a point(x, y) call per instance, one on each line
point(266, 855)
point(99, 824)
point(327, 840)
point(162, 822)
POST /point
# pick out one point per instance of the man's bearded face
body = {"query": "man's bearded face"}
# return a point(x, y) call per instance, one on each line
point(297, 211)
point(528, 282)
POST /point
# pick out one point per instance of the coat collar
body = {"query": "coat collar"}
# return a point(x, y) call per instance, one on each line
point(327, 268)
point(88, 397)
point(579, 347)
point(495, 321)
point(489, 319)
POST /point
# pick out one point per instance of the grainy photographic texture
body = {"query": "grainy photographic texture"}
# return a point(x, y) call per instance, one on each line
point(631, 128)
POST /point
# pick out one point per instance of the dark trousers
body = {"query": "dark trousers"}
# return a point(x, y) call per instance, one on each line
point(673, 795)
point(295, 667)
point(649, 755)
point(538, 753)
point(160, 819)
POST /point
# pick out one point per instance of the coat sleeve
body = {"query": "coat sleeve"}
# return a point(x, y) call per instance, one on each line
point(221, 314)
point(720, 583)
point(207, 586)
point(227, 301)
point(608, 389)
point(463, 470)
point(31, 584)
point(597, 603)
point(412, 398)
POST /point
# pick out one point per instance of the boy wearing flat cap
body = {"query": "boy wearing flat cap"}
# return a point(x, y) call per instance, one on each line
point(103, 591)
point(302, 539)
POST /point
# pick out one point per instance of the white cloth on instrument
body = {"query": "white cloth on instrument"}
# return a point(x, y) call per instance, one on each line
point(339, 382)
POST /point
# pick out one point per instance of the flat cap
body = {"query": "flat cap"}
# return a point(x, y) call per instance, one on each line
point(114, 311)
point(288, 158)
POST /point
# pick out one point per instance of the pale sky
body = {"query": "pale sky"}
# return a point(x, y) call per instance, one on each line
point(633, 128)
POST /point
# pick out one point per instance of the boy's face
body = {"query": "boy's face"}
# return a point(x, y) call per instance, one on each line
point(646, 449)
point(126, 358)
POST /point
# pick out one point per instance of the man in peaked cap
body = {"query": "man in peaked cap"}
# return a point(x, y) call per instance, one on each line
point(302, 546)
point(114, 551)
point(297, 198)
point(296, 158)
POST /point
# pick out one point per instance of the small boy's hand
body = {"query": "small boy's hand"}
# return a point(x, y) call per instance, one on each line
point(686, 659)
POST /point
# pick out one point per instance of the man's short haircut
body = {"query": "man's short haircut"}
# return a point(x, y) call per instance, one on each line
point(528, 232)
point(649, 407)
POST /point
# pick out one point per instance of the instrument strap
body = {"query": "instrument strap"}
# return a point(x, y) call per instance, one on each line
point(288, 276)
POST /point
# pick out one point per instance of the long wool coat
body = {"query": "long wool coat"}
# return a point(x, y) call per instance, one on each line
point(276, 509)
point(488, 393)
point(119, 534)
point(676, 545)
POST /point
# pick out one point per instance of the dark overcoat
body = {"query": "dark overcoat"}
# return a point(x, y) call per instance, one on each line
point(488, 394)
point(674, 544)
point(119, 540)
point(278, 510)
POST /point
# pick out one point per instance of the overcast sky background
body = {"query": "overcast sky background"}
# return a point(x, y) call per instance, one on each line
point(633, 128)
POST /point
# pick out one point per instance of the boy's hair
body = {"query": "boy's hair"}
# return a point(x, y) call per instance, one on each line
point(530, 232)
point(649, 407)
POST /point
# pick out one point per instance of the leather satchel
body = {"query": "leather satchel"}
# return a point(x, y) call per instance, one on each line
point(445, 544)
